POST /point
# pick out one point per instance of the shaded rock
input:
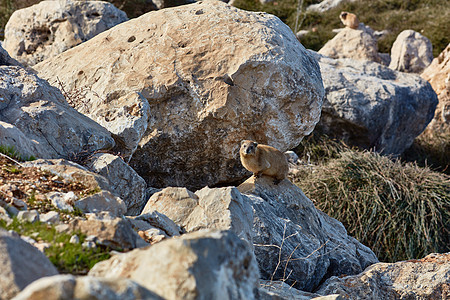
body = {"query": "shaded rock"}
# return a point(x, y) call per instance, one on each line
point(296, 243)
point(102, 201)
point(63, 201)
point(199, 265)
point(5, 59)
point(48, 28)
point(217, 208)
point(374, 107)
point(411, 52)
point(125, 182)
point(358, 44)
point(159, 220)
point(109, 231)
point(216, 75)
point(11, 136)
point(278, 290)
point(20, 264)
point(28, 216)
point(51, 217)
point(87, 287)
point(438, 75)
point(426, 278)
point(49, 125)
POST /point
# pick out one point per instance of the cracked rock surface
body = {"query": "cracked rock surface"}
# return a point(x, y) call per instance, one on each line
point(48, 28)
point(196, 79)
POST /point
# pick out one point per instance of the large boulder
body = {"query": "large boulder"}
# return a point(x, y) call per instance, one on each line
point(48, 28)
point(209, 208)
point(296, 243)
point(359, 44)
point(438, 75)
point(21, 264)
point(40, 118)
point(181, 87)
point(86, 287)
point(427, 278)
point(411, 52)
point(199, 265)
point(373, 107)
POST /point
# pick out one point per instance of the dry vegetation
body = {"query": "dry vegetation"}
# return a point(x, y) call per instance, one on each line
point(400, 210)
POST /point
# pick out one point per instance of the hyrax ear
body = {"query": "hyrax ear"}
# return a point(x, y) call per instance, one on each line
point(242, 142)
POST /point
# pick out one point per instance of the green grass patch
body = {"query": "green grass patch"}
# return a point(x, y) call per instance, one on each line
point(400, 210)
point(67, 257)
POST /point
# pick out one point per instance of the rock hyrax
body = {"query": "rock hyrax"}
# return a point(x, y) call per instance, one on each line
point(349, 20)
point(263, 160)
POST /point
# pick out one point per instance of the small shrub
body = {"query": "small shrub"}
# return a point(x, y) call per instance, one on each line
point(67, 257)
point(401, 211)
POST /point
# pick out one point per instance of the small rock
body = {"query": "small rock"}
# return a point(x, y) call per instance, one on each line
point(62, 228)
point(31, 216)
point(51, 217)
point(28, 239)
point(291, 156)
point(62, 200)
point(74, 239)
point(89, 245)
point(42, 246)
point(19, 204)
point(102, 201)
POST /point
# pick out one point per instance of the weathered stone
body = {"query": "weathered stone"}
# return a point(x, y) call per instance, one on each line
point(199, 265)
point(438, 75)
point(216, 75)
point(48, 28)
point(125, 182)
point(102, 201)
point(218, 208)
point(87, 287)
point(296, 243)
point(116, 233)
point(41, 113)
point(278, 290)
point(411, 52)
point(5, 59)
point(359, 44)
point(31, 216)
point(70, 171)
point(20, 264)
point(11, 136)
point(158, 220)
point(63, 201)
point(426, 278)
point(51, 217)
point(374, 107)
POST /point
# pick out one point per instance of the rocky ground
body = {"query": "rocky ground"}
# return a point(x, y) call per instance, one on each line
point(121, 158)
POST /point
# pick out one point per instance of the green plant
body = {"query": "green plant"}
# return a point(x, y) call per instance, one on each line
point(401, 211)
point(67, 257)
point(14, 153)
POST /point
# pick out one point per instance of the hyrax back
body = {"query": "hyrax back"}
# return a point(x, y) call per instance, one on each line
point(349, 20)
point(263, 160)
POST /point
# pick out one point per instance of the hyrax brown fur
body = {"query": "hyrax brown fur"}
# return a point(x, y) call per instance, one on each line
point(264, 160)
point(349, 20)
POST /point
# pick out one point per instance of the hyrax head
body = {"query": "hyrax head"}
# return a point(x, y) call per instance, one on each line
point(343, 15)
point(248, 147)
